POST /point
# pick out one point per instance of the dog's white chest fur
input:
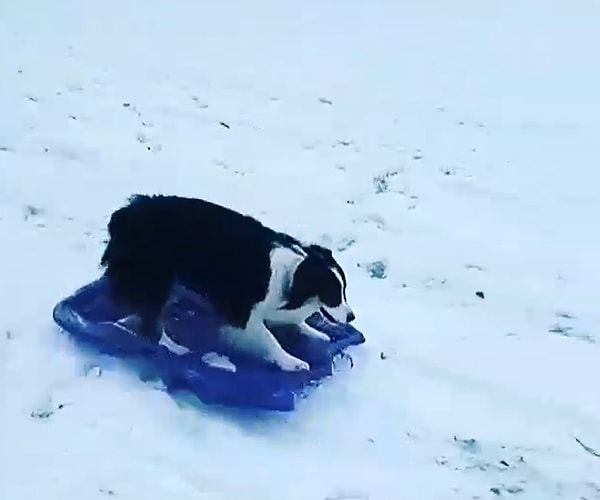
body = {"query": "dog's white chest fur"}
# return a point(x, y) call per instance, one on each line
point(256, 337)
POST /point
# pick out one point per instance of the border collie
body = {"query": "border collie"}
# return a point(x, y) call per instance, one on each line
point(253, 276)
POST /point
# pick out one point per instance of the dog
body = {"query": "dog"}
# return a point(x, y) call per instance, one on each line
point(254, 277)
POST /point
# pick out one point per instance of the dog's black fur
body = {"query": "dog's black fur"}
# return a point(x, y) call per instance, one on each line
point(155, 241)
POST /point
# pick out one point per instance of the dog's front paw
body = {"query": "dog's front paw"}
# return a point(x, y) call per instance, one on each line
point(290, 363)
point(311, 332)
point(321, 336)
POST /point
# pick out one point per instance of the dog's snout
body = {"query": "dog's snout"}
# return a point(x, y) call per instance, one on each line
point(351, 317)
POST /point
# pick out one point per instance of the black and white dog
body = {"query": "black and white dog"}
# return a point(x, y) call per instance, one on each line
point(255, 277)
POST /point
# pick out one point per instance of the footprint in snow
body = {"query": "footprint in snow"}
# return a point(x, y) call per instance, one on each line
point(564, 329)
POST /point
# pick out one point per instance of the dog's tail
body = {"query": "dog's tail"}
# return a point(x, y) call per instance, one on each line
point(118, 227)
point(106, 255)
point(118, 223)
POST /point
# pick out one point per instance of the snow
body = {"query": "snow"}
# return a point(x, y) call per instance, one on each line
point(444, 148)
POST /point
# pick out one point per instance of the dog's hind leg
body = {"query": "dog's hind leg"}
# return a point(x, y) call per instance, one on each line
point(150, 322)
point(145, 290)
point(151, 302)
point(257, 340)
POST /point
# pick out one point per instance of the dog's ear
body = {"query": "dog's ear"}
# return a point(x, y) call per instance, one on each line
point(321, 251)
point(304, 283)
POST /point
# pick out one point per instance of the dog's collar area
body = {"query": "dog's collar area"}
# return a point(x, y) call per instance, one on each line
point(328, 316)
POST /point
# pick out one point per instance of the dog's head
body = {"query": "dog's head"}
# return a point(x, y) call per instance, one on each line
point(319, 278)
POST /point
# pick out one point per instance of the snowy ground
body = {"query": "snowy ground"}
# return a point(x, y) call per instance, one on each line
point(455, 143)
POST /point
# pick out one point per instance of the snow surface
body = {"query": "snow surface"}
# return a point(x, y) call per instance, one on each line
point(444, 148)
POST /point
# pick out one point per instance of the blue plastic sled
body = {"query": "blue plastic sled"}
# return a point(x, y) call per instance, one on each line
point(196, 360)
